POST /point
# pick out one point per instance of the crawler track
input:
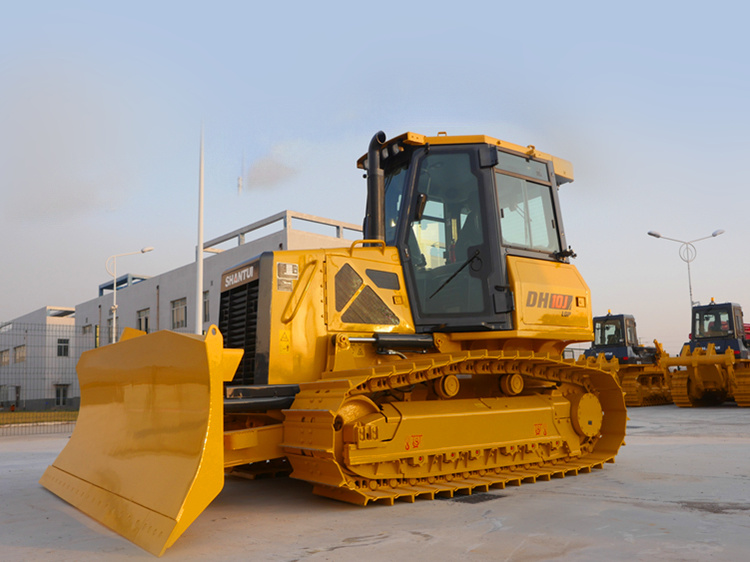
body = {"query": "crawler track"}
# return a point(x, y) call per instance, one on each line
point(742, 383)
point(361, 437)
point(680, 390)
point(645, 386)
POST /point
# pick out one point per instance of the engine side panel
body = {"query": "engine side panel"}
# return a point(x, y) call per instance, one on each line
point(552, 300)
point(316, 294)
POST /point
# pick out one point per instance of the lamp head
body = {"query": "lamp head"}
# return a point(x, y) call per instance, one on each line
point(147, 249)
point(656, 234)
point(717, 232)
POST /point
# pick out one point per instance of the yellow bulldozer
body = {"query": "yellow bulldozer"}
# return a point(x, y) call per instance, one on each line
point(643, 377)
point(423, 360)
point(714, 365)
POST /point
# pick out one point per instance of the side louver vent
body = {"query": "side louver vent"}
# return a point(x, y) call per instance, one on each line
point(238, 322)
point(348, 282)
point(369, 308)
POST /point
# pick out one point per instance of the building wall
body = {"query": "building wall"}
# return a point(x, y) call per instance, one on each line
point(32, 383)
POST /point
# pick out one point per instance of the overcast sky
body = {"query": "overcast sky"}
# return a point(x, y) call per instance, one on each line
point(101, 106)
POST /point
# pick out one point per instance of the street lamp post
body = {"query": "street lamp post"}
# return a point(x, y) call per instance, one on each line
point(113, 272)
point(687, 253)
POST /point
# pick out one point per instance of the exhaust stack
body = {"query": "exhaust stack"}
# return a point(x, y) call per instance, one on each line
point(375, 216)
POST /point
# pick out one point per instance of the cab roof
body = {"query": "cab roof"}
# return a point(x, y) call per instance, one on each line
point(563, 168)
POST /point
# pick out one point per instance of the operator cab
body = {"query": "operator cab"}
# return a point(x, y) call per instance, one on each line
point(615, 336)
point(719, 324)
point(455, 209)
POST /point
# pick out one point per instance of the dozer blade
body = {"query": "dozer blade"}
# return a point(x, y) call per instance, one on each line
point(146, 456)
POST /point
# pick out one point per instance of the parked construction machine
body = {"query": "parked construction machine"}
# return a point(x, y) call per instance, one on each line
point(425, 359)
point(639, 369)
point(714, 365)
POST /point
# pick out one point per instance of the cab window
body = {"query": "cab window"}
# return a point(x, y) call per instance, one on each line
point(444, 242)
point(527, 214)
point(395, 181)
point(712, 323)
point(632, 339)
point(608, 333)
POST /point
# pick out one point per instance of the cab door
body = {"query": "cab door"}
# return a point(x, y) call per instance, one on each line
point(451, 259)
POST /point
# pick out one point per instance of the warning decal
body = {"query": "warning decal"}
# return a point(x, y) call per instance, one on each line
point(286, 275)
point(285, 344)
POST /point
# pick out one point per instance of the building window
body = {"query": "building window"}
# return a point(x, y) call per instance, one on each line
point(19, 354)
point(87, 329)
point(141, 320)
point(61, 395)
point(4, 357)
point(63, 347)
point(179, 314)
point(109, 330)
point(206, 317)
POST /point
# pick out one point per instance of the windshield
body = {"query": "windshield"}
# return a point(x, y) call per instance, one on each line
point(608, 332)
point(712, 323)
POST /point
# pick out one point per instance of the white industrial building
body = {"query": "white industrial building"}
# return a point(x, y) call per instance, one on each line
point(167, 301)
point(37, 360)
point(31, 365)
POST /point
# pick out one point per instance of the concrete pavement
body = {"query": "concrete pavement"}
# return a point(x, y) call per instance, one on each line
point(680, 490)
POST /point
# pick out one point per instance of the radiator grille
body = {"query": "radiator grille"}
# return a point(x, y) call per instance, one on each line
point(238, 320)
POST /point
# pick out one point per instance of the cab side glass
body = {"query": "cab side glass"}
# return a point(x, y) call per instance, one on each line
point(395, 181)
point(527, 217)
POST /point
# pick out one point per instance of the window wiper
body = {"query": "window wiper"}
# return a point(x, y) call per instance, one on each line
point(467, 262)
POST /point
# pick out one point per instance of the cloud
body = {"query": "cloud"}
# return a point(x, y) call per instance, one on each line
point(268, 172)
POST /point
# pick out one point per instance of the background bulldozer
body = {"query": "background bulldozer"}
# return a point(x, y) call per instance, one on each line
point(643, 377)
point(423, 360)
point(714, 365)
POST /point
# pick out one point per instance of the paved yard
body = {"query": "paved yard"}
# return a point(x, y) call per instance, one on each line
point(680, 490)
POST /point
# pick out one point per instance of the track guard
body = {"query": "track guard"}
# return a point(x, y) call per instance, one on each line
point(147, 456)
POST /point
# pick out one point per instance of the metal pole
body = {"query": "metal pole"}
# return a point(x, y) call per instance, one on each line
point(113, 273)
point(199, 251)
point(114, 299)
point(688, 253)
point(690, 284)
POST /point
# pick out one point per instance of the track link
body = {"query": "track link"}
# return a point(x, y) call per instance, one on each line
point(680, 393)
point(463, 483)
point(742, 382)
point(313, 430)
